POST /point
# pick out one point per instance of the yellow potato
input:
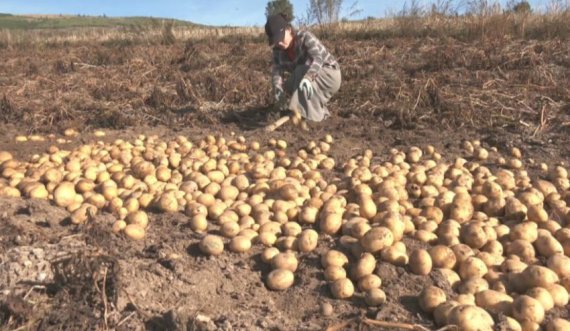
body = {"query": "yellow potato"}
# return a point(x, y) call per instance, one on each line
point(240, 244)
point(558, 324)
point(307, 240)
point(364, 266)
point(212, 245)
point(420, 262)
point(134, 231)
point(286, 260)
point(333, 273)
point(374, 297)
point(442, 257)
point(441, 312)
point(376, 239)
point(342, 288)
point(280, 279)
point(138, 217)
point(470, 318)
point(527, 309)
point(472, 267)
point(430, 298)
point(494, 301)
point(368, 282)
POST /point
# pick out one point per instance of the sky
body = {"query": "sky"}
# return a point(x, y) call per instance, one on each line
point(209, 12)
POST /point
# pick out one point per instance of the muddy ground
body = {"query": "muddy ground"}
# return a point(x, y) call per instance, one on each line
point(396, 93)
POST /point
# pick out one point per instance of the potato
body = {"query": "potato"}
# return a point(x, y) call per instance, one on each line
point(367, 206)
point(228, 192)
point(342, 288)
point(286, 260)
point(514, 209)
point(470, 318)
point(134, 231)
point(280, 279)
point(538, 276)
point(267, 238)
point(547, 245)
point(526, 231)
point(558, 324)
point(308, 215)
point(493, 247)
point(465, 299)
point(240, 244)
point(489, 259)
point(522, 249)
point(536, 213)
point(512, 324)
point(462, 252)
point(118, 226)
point(433, 213)
point(494, 301)
point(473, 286)
point(426, 236)
point(473, 235)
point(64, 194)
point(442, 257)
point(268, 254)
point(333, 273)
point(420, 262)
point(530, 326)
point(441, 312)
point(559, 295)
point(307, 240)
point(472, 267)
point(330, 223)
point(168, 202)
point(37, 191)
point(430, 298)
point(395, 256)
point(376, 239)
point(543, 296)
point(230, 229)
point(461, 208)
point(527, 309)
point(271, 227)
point(212, 245)
point(364, 266)
point(84, 213)
point(513, 265)
point(374, 297)
point(286, 243)
point(357, 227)
point(450, 276)
point(138, 217)
point(333, 258)
point(291, 229)
point(368, 282)
point(199, 223)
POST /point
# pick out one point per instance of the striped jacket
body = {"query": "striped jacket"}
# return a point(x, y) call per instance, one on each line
point(308, 51)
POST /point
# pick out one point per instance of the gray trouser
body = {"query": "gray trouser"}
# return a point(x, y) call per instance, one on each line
point(325, 85)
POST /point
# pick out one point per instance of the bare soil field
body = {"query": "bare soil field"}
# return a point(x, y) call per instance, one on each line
point(396, 93)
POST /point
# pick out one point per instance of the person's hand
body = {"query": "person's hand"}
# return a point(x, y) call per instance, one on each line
point(279, 95)
point(307, 87)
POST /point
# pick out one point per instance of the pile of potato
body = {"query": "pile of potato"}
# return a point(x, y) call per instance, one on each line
point(500, 237)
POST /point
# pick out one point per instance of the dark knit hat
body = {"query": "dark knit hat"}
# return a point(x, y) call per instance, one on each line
point(275, 28)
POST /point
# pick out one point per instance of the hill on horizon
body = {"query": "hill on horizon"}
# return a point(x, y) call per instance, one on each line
point(51, 21)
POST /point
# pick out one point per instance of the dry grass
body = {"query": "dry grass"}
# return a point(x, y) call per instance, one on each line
point(486, 24)
point(117, 34)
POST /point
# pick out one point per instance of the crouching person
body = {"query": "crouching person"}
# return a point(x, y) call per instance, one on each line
point(314, 72)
